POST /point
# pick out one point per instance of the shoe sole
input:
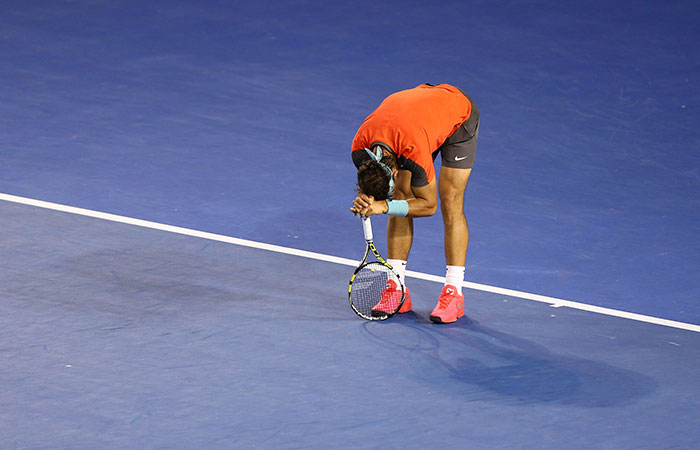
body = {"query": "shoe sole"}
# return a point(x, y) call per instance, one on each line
point(437, 319)
point(378, 313)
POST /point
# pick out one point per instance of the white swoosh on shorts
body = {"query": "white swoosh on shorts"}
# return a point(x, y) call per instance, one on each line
point(459, 158)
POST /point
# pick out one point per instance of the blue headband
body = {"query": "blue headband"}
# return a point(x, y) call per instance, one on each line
point(377, 156)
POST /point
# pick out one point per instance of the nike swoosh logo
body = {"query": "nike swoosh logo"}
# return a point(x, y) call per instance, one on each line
point(459, 158)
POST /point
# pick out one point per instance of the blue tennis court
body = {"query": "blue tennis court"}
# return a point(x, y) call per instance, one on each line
point(176, 241)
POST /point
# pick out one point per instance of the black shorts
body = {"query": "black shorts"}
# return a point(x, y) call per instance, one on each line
point(459, 150)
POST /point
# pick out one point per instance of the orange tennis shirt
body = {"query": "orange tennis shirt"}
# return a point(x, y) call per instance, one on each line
point(413, 124)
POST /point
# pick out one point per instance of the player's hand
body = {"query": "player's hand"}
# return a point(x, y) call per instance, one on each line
point(365, 205)
point(361, 203)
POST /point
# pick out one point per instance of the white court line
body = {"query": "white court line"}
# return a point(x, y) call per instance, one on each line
point(554, 302)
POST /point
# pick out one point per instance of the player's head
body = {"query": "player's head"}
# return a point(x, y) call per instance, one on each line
point(375, 176)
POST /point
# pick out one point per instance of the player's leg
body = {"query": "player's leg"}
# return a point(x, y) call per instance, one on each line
point(452, 185)
point(400, 235)
point(458, 155)
point(400, 229)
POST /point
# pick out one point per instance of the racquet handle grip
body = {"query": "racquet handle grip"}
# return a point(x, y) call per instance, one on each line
point(367, 228)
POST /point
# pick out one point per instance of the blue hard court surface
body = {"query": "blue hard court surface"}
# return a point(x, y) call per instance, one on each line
point(236, 118)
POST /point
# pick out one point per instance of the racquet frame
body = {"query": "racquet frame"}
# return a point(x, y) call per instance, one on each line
point(371, 248)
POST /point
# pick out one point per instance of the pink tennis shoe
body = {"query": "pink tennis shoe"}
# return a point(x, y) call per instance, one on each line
point(450, 306)
point(391, 296)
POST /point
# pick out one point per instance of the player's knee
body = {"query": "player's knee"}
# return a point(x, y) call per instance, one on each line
point(451, 200)
point(452, 206)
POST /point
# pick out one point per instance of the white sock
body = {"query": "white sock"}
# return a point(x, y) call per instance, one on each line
point(399, 266)
point(455, 277)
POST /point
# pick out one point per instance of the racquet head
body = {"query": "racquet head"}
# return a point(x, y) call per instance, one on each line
point(375, 291)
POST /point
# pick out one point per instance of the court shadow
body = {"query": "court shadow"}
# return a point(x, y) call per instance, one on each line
point(152, 281)
point(482, 363)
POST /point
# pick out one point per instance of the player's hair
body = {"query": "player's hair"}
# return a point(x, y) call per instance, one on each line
point(373, 179)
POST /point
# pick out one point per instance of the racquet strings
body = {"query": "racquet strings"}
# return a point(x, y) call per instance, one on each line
point(368, 286)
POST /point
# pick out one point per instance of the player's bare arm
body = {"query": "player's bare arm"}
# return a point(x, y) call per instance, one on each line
point(423, 204)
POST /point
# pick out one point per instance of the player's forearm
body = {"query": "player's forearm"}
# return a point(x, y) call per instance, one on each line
point(421, 207)
point(417, 207)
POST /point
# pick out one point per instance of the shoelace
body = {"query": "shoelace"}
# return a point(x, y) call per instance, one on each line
point(444, 301)
point(388, 294)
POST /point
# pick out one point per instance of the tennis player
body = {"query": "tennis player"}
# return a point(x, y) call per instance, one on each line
point(394, 151)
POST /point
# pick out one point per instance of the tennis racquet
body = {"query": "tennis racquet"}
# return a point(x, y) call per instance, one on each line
point(375, 291)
